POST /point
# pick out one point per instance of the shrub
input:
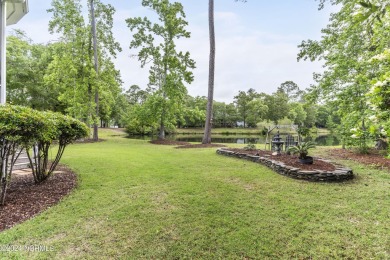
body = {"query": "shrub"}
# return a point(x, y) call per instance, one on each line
point(18, 126)
point(22, 127)
point(250, 147)
point(302, 149)
point(65, 130)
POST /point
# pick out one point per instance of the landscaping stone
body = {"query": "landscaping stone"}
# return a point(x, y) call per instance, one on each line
point(339, 174)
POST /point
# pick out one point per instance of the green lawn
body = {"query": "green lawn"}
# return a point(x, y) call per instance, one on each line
point(137, 200)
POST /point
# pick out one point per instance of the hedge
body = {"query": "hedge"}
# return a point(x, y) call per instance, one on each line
point(23, 127)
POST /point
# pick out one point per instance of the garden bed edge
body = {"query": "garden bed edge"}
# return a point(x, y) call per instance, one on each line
point(340, 173)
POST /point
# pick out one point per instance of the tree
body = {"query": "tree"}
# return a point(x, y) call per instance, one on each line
point(135, 95)
point(311, 114)
point(72, 70)
point(25, 74)
point(322, 116)
point(169, 68)
point(193, 113)
point(96, 64)
point(297, 113)
point(355, 36)
point(291, 89)
point(242, 101)
point(210, 97)
point(277, 106)
point(257, 111)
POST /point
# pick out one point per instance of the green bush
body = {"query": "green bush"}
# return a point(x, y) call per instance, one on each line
point(23, 127)
point(65, 130)
point(250, 147)
point(302, 149)
point(19, 126)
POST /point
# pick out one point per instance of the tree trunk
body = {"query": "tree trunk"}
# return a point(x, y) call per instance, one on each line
point(161, 134)
point(209, 112)
point(93, 28)
point(381, 144)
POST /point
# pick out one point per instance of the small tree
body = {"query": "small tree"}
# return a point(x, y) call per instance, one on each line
point(63, 129)
point(18, 125)
point(22, 127)
point(170, 68)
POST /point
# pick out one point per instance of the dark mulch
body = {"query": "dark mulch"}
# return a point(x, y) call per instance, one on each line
point(290, 160)
point(374, 158)
point(26, 199)
point(168, 142)
point(201, 146)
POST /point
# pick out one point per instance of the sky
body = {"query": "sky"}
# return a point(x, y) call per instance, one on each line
point(256, 42)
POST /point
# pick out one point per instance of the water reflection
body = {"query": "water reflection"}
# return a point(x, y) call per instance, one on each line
point(322, 140)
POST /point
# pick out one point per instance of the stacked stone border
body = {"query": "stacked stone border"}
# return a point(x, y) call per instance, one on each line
point(339, 174)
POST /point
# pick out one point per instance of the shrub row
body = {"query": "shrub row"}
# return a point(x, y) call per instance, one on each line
point(23, 127)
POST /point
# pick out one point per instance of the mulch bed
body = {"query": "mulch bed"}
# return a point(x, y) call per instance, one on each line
point(290, 160)
point(26, 199)
point(374, 158)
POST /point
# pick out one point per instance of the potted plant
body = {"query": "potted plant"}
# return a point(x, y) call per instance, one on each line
point(303, 150)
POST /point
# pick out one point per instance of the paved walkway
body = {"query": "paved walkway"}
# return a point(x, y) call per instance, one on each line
point(22, 172)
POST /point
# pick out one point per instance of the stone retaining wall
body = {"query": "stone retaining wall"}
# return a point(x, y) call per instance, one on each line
point(340, 174)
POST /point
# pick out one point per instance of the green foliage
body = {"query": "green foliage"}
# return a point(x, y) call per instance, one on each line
point(192, 117)
point(303, 131)
point(250, 147)
point(71, 71)
point(354, 47)
point(359, 138)
point(19, 127)
point(27, 64)
point(277, 106)
point(140, 120)
point(242, 101)
point(322, 116)
point(69, 129)
point(257, 111)
point(291, 89)
point(170, 68)
point(63, 129)
point(297, 113)
point(224, 115)
point(302, 149)
point(23, 127)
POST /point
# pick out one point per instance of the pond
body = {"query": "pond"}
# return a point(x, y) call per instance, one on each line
point(320, 140)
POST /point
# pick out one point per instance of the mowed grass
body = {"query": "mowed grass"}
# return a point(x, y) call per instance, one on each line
point(136, 200)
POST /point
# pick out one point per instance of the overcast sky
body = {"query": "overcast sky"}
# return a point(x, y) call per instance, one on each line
point(256, 42)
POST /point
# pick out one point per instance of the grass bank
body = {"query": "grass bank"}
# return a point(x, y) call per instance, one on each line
point(136, 200)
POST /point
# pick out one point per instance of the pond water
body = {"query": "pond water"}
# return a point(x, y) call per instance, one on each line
point(321, 140)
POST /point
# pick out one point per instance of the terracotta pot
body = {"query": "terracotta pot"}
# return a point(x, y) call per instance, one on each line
point(307, 160)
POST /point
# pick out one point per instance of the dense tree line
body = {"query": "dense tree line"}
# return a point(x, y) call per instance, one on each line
point(48, 77)
point(61, 76)
point(355, 83)
point(247, 110)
